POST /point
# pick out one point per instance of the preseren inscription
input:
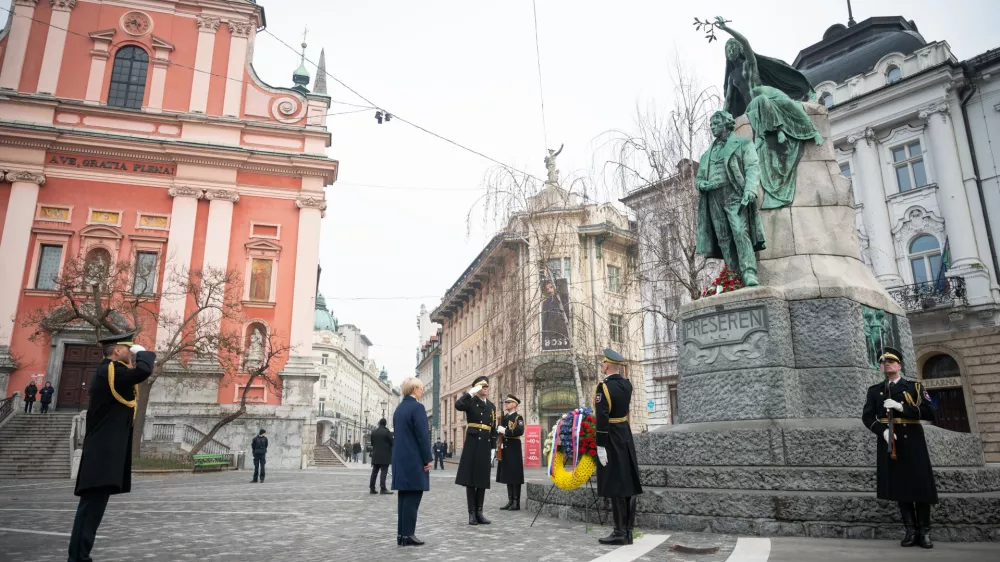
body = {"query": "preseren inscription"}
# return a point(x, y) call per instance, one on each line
point(724, 327)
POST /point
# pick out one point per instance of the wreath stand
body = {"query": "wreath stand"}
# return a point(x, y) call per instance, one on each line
point(595, 503)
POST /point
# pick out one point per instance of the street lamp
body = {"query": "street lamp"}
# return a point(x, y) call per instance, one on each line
point(384, 404)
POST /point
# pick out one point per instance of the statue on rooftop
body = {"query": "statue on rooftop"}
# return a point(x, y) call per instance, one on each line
point(550, 166)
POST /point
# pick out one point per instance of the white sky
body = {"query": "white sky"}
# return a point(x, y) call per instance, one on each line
point(467, 71)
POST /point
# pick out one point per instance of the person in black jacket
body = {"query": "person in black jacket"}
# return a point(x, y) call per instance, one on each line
point(381, 456)
point(106, 464)
point(357, 450)
point(510, 469)
point(480, 447)
point(438, 451)
point(30, 392)
point(46, 392)
point(259, 448)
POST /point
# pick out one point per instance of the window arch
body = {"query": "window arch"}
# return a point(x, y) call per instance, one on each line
point(893, 74)
point(826, 98)
point(128, 78)
point(925, 258)
point(941, 367)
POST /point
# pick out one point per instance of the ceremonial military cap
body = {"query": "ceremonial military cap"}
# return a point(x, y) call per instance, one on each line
point(612, 356)
point(890, 354)
point(512, 398)
point(118, 339)
point(480, 380)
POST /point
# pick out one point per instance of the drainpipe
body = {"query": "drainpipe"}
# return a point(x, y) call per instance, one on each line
point(592, 257)
point(970, 90)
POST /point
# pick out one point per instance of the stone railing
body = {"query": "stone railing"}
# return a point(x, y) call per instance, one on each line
point(163, 432)
point(931, 295)
point(7, 407)
point(77, 433)
point(193, 436)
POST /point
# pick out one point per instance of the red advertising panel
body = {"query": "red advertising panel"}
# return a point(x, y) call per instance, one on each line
point(533, 446)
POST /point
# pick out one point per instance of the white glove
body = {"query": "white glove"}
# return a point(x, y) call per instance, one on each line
point(501, 430)
point(602, 455)
point(885, 435)
point(892, 404)
point(474, 390)
point(493, 455)
point(137, 348)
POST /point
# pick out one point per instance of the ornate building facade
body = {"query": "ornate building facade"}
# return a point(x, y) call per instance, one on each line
point(138, 131)
point(429, 369)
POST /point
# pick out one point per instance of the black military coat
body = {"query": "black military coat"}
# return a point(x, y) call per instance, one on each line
point(909, 478)
point(381, 446)
point(620, 478)
point(106, 465)
point(510, 469)
point(474, 467)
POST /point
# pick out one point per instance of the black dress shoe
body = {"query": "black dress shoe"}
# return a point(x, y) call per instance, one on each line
point(385, 493)
point(506, 507)
point(925, 538)
point(412, 541)
point(617, 536)
point(481, 519)
point(399, 540)
point(253, 481)
point(516, 506)
point(372, 492)
point(910, 539)
point(472, 518)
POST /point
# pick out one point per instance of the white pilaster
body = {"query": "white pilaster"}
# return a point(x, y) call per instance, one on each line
point(55, 43)
point(306, 260)
point(14, 244)
point(237, 61)
point(17, 44)
point(207, 26)
point(868, 188)
point(98, 64)
point(178, 262)
point(160, 62)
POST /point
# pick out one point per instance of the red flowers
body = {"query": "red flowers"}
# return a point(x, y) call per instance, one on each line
point(727, 281)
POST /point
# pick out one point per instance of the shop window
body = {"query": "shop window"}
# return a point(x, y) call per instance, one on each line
point(128, 78)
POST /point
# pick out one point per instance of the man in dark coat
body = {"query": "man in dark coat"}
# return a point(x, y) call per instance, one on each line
point(356, 450)
point(479, 449)
point(510, 468)
point(106, 464)
point(46, 396)
point(618, 468)
point(30, 392)
point(439, 452)
point(411, 460)
point(381, 456)
point(259, 449)
point(908, 478)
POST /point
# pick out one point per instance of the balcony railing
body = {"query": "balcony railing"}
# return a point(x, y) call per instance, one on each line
point(931, 295)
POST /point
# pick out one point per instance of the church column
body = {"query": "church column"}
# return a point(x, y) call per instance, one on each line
point(14, 246)
point(207, 26)
point(54, 45)
point(17, 43)
point(868, 187)
point(240, 31)
point(220, 225)
point(179, 247)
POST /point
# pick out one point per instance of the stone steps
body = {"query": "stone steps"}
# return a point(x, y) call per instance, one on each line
point(323, 457)
point(36, 446)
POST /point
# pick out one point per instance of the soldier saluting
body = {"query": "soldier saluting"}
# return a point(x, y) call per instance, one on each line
point(479, 449)
point(510, 469)
point(904, 465)
point(106, 465)
point(618, 469)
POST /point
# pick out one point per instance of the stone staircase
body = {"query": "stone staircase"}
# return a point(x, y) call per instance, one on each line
point(36, 445)
point(325, 458)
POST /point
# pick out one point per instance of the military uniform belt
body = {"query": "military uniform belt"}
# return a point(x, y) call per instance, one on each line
point(618, 420)
point(902, 421)
point(482, 426)
point(505, 438)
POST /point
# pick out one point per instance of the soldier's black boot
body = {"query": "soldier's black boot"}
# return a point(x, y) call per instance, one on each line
point(617, 535)
point(924, 525)
point(517, 498)
point(630, 520)
point(510, 498)
point(470, 502)
point(909, 522)
point(480, 499)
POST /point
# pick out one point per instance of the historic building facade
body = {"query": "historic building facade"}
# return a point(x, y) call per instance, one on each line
point(429, 369)
point(137, 131)
point(912, 128)
point(537, 306)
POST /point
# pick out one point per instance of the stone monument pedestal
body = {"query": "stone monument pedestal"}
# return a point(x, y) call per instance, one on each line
point(772, 383)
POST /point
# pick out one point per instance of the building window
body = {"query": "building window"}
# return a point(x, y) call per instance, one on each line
point(614, 278)
point(925, 258)
point(260, 280)
point(894, 74)
point(322, 401)
point(826, 98)
point(128, 78)
point(48, 267)
point(322, 384)
point(941, 367)
point(558, 268)
point(908, 160)
point(672, 392)
point(325, 359)
point(145, 273)
point(845, 169)
point(616, 328)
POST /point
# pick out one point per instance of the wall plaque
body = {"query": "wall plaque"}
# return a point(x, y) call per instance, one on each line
point(109, 164)
point(724, 327)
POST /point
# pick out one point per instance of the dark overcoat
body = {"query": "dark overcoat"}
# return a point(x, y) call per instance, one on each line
point(474, 467)
point(412, 450)
point(382, 446)
point(510, 470)
point(909, 478)
point(620, 478)
point(106, 464)
point(742, 168)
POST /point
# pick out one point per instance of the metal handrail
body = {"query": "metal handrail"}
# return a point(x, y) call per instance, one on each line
point(7, 407)
point(931, 295)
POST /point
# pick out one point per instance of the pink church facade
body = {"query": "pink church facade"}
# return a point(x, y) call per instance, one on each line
point(138, 130)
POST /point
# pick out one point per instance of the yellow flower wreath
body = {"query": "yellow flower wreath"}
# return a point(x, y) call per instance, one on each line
point(585, 468)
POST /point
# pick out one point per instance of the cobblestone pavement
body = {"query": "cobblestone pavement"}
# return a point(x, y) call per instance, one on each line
point(328, 514)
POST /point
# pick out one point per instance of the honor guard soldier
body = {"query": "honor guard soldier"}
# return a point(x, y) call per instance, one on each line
point(618, 468)
point(510, 467)
point(904, 465)
point(479, 449)
point(106, 464)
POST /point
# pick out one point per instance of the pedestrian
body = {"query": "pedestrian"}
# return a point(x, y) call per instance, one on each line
point(510, 468)
point(438, 454)
point(480, 447)
point(903, 462)
point(381, 456)
point(357, 451)
point(618, 468)
point(411, 460)
point(259, 448)
point(447, 450)
point(46, 396)
point(347, 451)
point(106, 463)
point(30, 392)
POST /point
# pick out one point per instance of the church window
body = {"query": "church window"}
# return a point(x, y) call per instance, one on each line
point(128, 78)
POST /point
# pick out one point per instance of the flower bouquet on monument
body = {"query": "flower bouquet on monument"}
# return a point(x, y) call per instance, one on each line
point(574, 439)
point(728, 280)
